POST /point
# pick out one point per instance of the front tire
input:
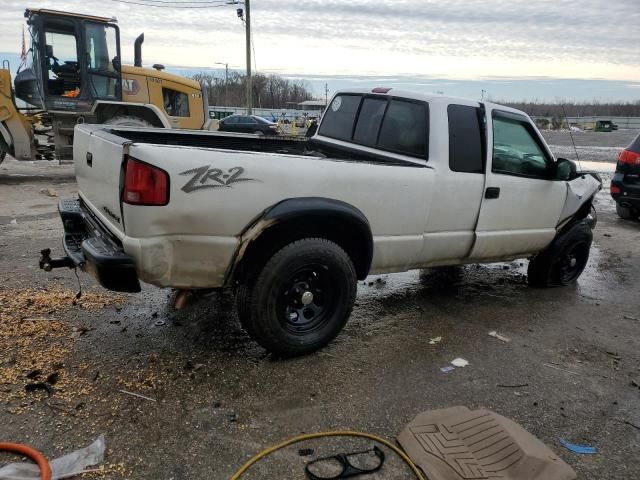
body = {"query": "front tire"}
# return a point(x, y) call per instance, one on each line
point(562, 262)
point(301, 299)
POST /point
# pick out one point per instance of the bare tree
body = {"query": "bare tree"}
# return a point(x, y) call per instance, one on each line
point(269, 91)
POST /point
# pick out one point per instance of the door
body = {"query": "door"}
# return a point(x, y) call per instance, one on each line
point(522, 201)
point(457, 193)
point(102, 60)
point(248, 124)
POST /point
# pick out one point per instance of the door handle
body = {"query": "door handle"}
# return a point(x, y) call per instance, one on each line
point(90, 159)
point(492, 192)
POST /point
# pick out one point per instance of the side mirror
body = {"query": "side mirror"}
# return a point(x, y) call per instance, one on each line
point(565, 169)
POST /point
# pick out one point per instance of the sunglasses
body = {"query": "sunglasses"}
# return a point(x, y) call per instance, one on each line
point(345, 465)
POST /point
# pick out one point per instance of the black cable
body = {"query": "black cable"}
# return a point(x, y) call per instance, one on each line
point(173, 6)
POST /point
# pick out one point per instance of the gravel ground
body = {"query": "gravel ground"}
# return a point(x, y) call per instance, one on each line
point(218, 398)
point(591, 146)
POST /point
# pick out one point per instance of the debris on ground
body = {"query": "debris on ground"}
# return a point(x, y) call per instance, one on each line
point(305, 452)
point(37, 343)
point(516, 385)
point(629, 317)
point(459, 362)
point(49, 192)
point(561, 369)
point(502, 338)
point(71, 465)
point(435, 340)
point(138, 395)
point(447, 369)
point(579, 449)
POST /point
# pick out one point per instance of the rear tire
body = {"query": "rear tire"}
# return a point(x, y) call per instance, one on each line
point(128, 121)
point(562, 262)
point(625, 213)
point(301, 299)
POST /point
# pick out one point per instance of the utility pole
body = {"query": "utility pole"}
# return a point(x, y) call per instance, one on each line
point(482, 94)
point(247, 22)
point(226, 81)
point(326, 94)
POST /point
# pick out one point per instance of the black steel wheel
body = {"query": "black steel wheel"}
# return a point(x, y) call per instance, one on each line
point(572, 262)
point(562, 262)
point(301, 298)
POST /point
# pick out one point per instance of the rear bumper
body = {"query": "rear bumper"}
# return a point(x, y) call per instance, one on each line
point(629, 195)
point(90, 247)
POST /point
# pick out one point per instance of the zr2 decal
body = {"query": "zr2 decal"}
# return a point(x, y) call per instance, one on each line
point(206, 177)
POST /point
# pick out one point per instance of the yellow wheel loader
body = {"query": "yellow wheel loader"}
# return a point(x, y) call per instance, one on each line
point(73, 74)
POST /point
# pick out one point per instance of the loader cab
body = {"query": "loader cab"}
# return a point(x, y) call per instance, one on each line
point(75, 60)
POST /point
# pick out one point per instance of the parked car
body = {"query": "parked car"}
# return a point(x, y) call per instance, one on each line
point(605, 126)
point(248, 124)
point(391, 181)
point(625, 184)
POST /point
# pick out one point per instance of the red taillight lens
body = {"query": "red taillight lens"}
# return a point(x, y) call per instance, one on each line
point(145, 184)
point(629, 158)
point(615, 189)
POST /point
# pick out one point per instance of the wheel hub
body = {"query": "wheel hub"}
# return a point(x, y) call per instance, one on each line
point(306, 298)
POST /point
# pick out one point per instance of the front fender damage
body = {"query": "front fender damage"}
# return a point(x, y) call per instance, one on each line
point(578, 201)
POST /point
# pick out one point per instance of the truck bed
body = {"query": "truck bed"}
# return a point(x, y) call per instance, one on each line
point(253, 143)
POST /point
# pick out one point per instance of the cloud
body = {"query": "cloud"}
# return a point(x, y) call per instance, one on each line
point(453, 39)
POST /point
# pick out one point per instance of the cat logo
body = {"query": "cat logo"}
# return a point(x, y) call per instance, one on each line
point(130, 86)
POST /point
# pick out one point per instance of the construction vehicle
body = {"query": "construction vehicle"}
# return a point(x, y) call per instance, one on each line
point(73, 74)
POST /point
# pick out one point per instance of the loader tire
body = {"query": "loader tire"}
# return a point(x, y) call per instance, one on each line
point(301, 298)
point(562, 262)
point(128, 121)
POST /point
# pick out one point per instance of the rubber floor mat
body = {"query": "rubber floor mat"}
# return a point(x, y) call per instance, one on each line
point(461, 444)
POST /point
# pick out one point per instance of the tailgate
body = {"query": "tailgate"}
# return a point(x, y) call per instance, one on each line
point(98, 157)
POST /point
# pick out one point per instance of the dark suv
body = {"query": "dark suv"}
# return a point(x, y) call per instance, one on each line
point(248, 124)
point(625, 184)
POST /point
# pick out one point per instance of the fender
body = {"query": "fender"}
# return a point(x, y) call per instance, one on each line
point(296, 218)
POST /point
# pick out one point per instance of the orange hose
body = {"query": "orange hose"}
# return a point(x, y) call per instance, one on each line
point(32, 453)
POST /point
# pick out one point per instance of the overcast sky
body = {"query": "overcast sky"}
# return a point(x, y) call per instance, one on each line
point(445, 39)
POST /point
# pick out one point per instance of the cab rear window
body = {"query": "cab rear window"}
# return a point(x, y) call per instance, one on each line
point(386, 123)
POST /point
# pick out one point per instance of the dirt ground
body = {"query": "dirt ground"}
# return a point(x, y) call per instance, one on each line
point(215, 398)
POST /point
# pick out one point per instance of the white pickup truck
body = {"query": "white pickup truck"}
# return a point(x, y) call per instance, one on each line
point(391, 181)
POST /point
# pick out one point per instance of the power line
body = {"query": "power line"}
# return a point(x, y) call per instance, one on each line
point(176, 6)
point(178, 2)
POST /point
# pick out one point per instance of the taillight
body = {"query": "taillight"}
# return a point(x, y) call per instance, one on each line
point(628, 157)
point(615, 190)
point(145, 184)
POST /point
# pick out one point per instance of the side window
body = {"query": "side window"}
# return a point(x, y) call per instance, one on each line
point(466, 150)
point(340, 116)
point(230, 120)
point(404, 128)
point(369, 121)
point(176, 104)
point(61, 57)
point(515, 151)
